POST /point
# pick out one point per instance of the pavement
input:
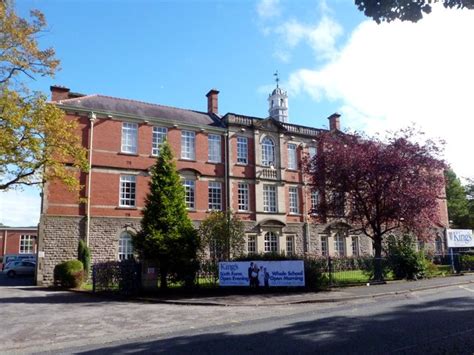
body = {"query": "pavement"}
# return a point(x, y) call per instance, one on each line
point(333, 295)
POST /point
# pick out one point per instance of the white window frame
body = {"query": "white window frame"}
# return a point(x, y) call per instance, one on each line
point(27, 244)
point(293, 200)
point(125, 247)
point(290, 245)
point(159, 136)
point(270, 242)
point(251, 244)
point(339, 244)
point(214, 148)
point(292, 156)
point(243, 196)
point(129, 138)
point(215, 196)
point(188, 145)
point(268, 151)
point(270, 203)
point(128, 191)
point(242, 150)
point(314, 202)
point(189, 193)
point(355, 245)
point(324, 245)
point(312, 151)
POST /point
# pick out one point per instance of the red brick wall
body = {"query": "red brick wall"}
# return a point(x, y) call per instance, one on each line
point(12, 237)
point(109, 163)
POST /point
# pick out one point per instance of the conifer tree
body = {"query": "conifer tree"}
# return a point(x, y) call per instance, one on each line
point(167, 236)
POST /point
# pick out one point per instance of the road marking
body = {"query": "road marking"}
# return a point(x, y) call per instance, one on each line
point(466, 288)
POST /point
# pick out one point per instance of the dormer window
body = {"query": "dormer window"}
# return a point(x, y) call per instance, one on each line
point(268, 151)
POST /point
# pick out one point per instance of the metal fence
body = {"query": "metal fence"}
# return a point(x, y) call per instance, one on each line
point(121, 277)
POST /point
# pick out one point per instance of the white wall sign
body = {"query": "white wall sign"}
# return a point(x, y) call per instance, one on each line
point(460, 238)
point(260, 273)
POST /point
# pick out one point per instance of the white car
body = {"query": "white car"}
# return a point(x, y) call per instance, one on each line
point(15, 268)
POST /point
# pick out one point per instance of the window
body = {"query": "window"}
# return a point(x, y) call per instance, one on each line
point(421, 245)
point(292, 158)
point(269, 198)
point(27, 244)
point(215, 195)
point(188, 140)
point(312, 152)
point(268, 152)
point(294, 205)
point(125, 250)
point(339, 247)
point(129, 137)
point(214, 148)
point(127, 190)
point(271, 242)
point(252, 244)
point(189, 193)
point(324, 246)
point(314, 202)
point(243, 196)
point(290, 245)
point(338, 203)
point(242, 150)
point(159, 137)
point(355, 246)
point(439, 245)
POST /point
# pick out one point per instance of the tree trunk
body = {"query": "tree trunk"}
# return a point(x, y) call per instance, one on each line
point(378, 269)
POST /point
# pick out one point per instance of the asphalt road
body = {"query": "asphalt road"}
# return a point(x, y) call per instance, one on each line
point(439, 321)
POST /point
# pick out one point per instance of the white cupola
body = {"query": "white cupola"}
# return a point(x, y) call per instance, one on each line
point(278, 103)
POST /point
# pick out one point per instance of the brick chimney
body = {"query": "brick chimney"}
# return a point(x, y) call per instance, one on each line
point(334, 123)
point(59, 92)
point(212, 101)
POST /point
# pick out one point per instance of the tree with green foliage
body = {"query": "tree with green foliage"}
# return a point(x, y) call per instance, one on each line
point(405, 10)
point(223, 233)
point(458, 204)
point(84, 256)
point(35, 139)
point(167, 237)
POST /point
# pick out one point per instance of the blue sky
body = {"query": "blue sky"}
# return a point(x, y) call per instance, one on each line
point(329, 56)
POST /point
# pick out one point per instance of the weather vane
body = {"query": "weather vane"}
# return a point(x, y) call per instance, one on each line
point(277, 79)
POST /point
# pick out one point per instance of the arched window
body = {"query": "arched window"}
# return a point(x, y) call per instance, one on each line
point(271, 242)
point(125, 250)
point(268, 152)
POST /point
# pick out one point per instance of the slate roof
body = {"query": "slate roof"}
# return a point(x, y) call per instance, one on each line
point(111, 105)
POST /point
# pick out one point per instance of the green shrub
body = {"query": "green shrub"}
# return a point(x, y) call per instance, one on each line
point(84, 256)
point(69, 274)
point(405, 261)
point(315, 275)
point(467, 262)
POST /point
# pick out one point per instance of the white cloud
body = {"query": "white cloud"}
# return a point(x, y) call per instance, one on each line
point(321, 37)
point(389, 75)
point(268, 8)
point(20, 208)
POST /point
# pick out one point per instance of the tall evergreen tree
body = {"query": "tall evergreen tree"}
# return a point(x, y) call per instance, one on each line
point(167, 236)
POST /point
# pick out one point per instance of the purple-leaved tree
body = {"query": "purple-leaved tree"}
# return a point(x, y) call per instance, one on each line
point(379, 185)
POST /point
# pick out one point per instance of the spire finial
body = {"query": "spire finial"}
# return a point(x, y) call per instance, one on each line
point(277, 78)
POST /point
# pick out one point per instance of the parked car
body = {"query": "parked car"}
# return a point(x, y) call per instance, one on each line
point(17, 257)
point(25, 267)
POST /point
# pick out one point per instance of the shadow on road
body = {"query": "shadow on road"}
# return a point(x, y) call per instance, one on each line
point(436, 327)
point(6, 281)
